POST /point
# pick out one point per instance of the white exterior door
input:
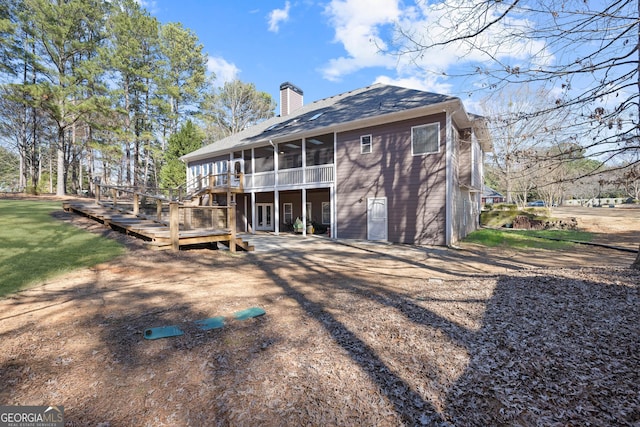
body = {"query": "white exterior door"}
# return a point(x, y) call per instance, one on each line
point(377, 218)
point(264, 216)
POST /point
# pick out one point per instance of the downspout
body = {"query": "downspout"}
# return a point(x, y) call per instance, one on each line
point(254, 215)
point(303, 190)
point(448, 201)
point(333, 192)
point(276, 192)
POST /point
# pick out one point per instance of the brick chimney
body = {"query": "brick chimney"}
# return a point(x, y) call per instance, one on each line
point(290, 98)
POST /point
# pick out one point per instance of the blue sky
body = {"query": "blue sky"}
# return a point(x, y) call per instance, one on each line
point(323, 47)
point(326, 47)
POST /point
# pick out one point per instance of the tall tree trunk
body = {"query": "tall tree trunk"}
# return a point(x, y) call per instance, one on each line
point(35, 152)
point(50, 169)
point(60, 171)
point(23, 144)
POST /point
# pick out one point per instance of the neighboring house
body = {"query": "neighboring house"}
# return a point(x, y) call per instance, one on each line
point(378, 163)
point(491, 196)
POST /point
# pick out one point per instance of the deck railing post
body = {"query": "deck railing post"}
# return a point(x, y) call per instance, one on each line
point(188, 215)
point(231, 222)
point(114, 196)
point(97, 193)
point(136, 200)
point(159, 209)
point(174, 225)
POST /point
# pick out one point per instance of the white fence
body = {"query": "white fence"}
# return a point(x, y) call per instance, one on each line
point(604, 201)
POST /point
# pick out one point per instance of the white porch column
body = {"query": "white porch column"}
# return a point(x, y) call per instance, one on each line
point(332, 204)
point(304, 160)
point(244, 218)
point(276, 211)
point(276, 193)
point(254, 214)
point(304, 211)
point(333, 189)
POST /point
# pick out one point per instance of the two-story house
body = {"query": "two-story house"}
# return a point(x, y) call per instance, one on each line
point(378, 163)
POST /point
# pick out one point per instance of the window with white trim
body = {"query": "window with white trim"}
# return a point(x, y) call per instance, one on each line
point(425, 139)
point(309, 217)
point(326, 213)
point(365, 144)
point(287, 213)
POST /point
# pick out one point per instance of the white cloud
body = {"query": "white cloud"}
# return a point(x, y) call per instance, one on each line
point(444, 22)
point(424, 83)
point(223, 70)
point(150, 5)
point(356, 24)
point(277, 16)
point(367, 30)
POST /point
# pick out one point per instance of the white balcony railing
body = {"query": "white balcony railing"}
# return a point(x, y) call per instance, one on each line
point(259, 180)
point(290, 176)
point(321, 174)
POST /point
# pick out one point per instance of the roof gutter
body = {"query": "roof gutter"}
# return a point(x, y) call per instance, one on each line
point(453, 106)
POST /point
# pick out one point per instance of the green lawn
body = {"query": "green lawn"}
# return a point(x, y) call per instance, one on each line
point(538, 239)
point(34, 246)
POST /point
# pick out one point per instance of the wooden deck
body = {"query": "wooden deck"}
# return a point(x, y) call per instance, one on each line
point(157, 234)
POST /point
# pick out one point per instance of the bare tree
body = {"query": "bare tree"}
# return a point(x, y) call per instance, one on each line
point(585, 52)
point(516, 141)
point(233, 108)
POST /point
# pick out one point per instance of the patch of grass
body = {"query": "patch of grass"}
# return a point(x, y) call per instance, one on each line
point(34, 246)
point(579, 236)
point(523, 239)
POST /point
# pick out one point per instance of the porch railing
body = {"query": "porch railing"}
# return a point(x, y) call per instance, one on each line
point(169, 211)
point(320, 174)
point(226, 180)
point(290, 176)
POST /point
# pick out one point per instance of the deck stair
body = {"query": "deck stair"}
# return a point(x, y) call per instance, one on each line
point(156, 233)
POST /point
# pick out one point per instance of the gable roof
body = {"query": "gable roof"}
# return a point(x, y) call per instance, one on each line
point(350, 110)
point(490, 192)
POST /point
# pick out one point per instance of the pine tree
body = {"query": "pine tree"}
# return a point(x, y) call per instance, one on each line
point(68, 35)
point(186, 140)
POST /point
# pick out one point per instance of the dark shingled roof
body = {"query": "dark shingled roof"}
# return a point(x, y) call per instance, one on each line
point(365, 103)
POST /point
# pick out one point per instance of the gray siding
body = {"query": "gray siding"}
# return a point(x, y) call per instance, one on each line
point(465, 206)
point(464, 161)
point(456, 201)
point(413, 185)
point(469, 161)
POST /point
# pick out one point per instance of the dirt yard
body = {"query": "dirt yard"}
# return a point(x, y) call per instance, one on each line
point(354, 334)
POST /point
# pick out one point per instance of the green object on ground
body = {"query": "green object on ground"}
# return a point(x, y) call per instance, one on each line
point(162, 332)
point(204, 324)
point(248, 313)
point(211, 323)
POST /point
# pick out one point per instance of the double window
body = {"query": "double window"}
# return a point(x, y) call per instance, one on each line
point(425, 139)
